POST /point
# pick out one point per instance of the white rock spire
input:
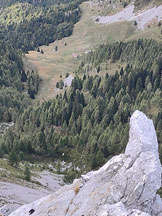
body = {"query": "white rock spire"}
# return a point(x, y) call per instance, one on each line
point(125, 186)
point(142, 135)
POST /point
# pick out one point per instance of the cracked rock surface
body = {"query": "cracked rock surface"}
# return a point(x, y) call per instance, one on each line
point(125, 186)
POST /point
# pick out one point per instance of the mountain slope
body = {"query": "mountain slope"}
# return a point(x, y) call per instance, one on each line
point(125, 185)
point(87, 36)
point(27, 26)
point(88, 123)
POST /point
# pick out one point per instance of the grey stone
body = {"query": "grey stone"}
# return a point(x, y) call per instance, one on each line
point(125, 186)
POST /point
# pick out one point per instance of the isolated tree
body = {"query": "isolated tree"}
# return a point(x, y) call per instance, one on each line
point(121, 71)
point(23, 76)
point(97, 19)
point(139, 84)
point(57, 85)
point(98, 69)
point(61, 84)
point(125, 4)
point(56, 48)
point(13, 158)
point(66, 75)
point(27, 174)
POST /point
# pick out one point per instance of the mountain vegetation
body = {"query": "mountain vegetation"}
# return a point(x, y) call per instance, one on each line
point(141, 3)
point(7, 3)
point(24, 26)
point(89, 124)
point(13, 99)
point(27, 26)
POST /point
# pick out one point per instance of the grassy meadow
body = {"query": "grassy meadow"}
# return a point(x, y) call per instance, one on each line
point(86, 36)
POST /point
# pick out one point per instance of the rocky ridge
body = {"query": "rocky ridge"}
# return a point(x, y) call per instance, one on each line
point(125, 186)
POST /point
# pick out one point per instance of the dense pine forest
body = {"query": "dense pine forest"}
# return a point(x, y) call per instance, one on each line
point(12, 98)
point(89, 123)
point(16, 87)
point(29, 24)
point(6, 3)
point(25, 25)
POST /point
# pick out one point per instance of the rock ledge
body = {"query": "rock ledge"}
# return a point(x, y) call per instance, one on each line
point(125, 186)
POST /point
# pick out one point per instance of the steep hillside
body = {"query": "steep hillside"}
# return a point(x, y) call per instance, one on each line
point(26, 27)
point(126, 185)
point(7, 3)
point(13, 100)
point(88, 34)
point(116, 68)
point(62, 127)
point(107, 5)
point(89, 124)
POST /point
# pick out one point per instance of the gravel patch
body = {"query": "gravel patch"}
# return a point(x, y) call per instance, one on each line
point(143, 18)
point(49, 180)
point(68, 80)
point(13, 195)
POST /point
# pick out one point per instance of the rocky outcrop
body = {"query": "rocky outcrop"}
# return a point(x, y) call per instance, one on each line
point(125, 186)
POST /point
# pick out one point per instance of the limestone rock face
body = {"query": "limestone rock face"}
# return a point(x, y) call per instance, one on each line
point(125, 186)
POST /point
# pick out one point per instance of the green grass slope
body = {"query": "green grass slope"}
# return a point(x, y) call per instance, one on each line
point(87, 35)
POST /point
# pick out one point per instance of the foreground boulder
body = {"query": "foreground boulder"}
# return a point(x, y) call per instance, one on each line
point(125, 186)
